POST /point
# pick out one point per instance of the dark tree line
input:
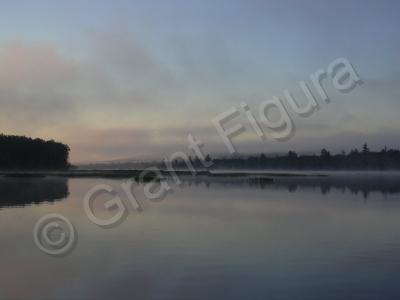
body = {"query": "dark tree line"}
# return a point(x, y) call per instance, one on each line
point(24, 153)
point(364, 159)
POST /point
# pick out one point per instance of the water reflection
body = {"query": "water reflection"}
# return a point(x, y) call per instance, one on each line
point(356, 184)
point(222, 238)
point(15, 192)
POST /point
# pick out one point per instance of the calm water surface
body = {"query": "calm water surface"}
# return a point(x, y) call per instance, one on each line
point(219, 239)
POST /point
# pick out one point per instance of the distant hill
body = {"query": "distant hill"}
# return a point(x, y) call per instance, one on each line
point(119, 165)
point(364, 159)
point(24, 153)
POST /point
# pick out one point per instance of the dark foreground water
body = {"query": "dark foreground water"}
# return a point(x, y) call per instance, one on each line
point(298, 238)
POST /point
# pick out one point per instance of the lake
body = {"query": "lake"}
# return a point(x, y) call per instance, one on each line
point(335, 237)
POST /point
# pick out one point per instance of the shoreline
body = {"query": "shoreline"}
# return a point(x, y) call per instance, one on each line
point(150, 175)
point(203, 173)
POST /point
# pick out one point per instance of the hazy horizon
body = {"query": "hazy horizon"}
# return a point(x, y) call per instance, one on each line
point(193, 149)
point(133, 79)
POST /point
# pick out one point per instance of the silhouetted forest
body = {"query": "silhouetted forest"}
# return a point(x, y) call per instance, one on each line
point(364, 159)
point(24, 153)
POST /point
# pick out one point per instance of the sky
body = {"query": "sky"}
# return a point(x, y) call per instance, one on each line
point(131, 79)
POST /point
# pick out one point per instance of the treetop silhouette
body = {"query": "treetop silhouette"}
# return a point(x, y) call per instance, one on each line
point(20, 152)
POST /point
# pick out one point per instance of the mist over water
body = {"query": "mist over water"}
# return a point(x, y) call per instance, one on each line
point(218, 238)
